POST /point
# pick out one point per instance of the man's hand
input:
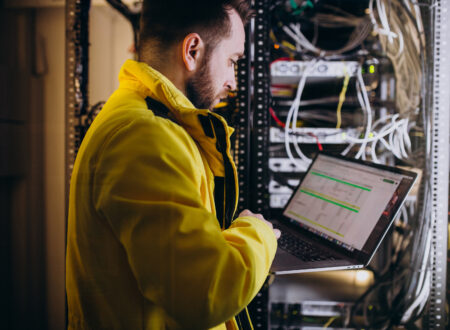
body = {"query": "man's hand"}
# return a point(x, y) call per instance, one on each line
point(248, 213)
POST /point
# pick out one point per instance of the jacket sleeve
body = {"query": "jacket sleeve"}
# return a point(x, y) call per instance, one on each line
point(146, 187)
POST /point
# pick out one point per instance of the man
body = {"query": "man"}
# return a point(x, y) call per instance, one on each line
point(152, 239)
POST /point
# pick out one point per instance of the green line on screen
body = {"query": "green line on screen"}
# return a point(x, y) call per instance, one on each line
point(329, 201)
point(331, 198)
point(314, 223)
point(340, 181)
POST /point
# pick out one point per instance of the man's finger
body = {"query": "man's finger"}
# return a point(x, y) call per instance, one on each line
point(277, 233)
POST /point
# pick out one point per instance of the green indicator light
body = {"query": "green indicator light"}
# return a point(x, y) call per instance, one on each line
point(372, 68)
point(388, 181)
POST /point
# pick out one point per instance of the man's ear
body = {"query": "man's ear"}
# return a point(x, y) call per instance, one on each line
point(193, 51)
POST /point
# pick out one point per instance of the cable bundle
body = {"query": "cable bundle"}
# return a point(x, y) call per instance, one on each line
point(402, 41)
point(303, 44)
point(291, 122)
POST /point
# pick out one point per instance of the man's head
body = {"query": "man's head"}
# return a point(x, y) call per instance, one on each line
point(195, 44)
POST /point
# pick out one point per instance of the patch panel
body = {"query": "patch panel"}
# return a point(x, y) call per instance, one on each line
point(285, 165)
point(278, 201)
point(290, 72)
point(277, 188)
point(312, 135)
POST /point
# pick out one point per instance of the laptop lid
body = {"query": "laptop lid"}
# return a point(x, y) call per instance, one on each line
point(348, 204)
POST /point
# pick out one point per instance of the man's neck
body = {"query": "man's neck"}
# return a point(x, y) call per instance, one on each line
point(169, 66)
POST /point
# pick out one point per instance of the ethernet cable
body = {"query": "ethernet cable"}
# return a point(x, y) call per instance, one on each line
point(385, 29)
point(396, 131)
point(396, 146)
point(292, 116)
point(361, 152)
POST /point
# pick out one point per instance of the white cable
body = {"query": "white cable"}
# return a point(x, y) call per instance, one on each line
point(401, 144)
point(416, 12)
point(303, 40)
point(394, 142)
point(384, 21)
point(292, 116)
point(374, 143)
point(406, 137)
point(309, 69)
point(299, 38)
point(385, 30)
point(401, 141)
point(395, 130)
point(423, 299)
point(390, 34)
point(368, 111)
point(385, 130)
point(287, 142)
point(349, 147)
point(377, 135)
point(401, 45)
point(420, 300)
point(295, 107)
point(404, 211)
point(291, 34)
point(394, 145)
point(412, 208)
point(380, 120)
point(422, 292)
point(428, 247)
point(373, 153)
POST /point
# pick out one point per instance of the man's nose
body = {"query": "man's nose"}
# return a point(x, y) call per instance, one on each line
point(231, 83)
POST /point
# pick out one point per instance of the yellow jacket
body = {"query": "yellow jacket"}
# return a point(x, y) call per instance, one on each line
point(145, 249)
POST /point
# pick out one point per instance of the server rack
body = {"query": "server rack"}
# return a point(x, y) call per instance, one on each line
point(434, 198)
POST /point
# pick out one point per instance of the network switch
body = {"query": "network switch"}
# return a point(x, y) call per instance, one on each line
point(312, 135)
point(290, 72)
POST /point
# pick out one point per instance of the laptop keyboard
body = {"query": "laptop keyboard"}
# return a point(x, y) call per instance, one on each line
point(301, 249)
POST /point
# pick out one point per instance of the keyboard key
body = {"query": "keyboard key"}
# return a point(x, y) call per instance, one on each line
point(302, 249)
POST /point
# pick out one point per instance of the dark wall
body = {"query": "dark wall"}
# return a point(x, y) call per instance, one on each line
point(22, 260)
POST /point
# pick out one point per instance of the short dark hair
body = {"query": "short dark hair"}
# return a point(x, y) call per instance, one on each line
point(169, 21)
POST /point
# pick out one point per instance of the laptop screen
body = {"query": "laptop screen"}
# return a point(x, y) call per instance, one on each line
point(350, 203)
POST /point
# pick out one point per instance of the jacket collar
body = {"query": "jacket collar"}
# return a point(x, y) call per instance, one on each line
point(149, 82)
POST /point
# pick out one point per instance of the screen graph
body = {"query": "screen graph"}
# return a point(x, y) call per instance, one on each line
point(342, 200)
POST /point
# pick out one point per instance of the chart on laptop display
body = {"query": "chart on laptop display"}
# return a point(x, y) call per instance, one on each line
point(342, 199)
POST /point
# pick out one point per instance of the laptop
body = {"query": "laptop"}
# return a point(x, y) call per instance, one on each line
point(339, 214)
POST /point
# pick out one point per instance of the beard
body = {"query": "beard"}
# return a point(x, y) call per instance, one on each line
point(199, 87)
